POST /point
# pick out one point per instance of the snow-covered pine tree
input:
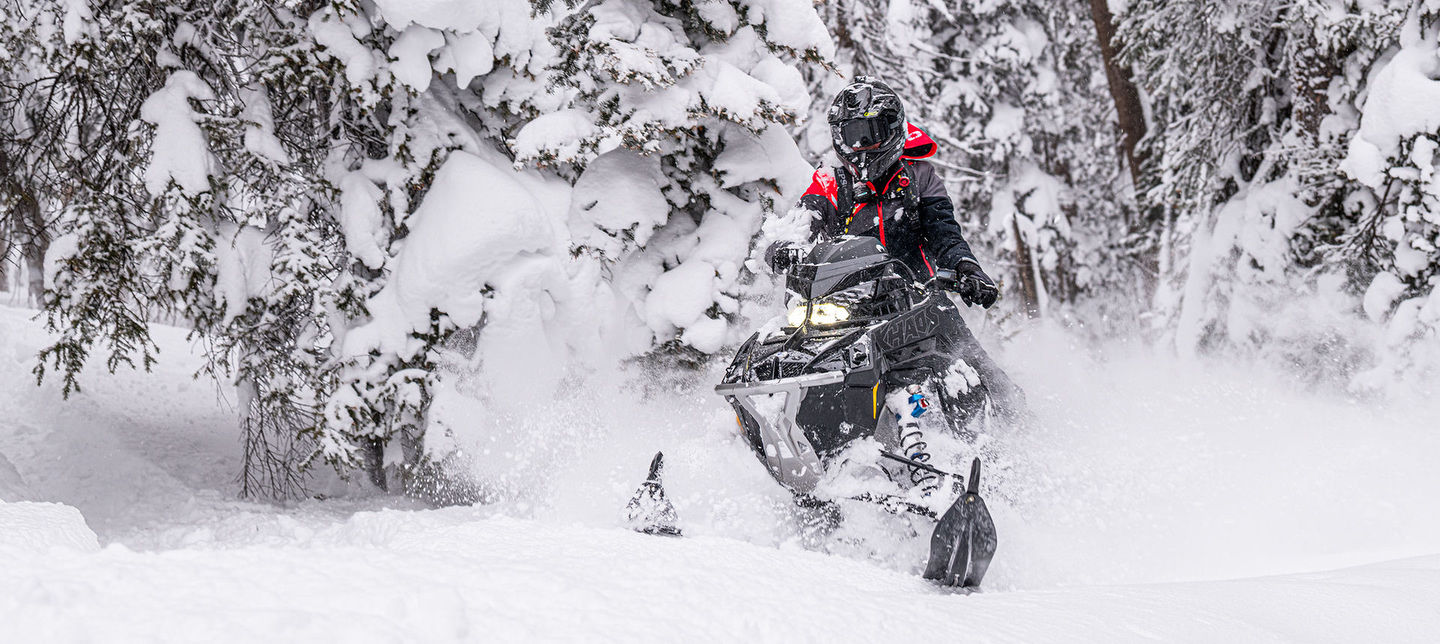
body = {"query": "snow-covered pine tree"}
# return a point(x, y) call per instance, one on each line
point(674, 132)
point(1212, 123)
point(1244, 158)
point(82, 92)
point(153, 143)
point(1392, 241)
point(443, 234)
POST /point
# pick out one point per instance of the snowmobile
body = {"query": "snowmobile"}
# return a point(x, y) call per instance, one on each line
point(855, 365)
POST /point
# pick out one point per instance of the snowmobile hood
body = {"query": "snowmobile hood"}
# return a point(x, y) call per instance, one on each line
point(918, 144)
point(838, 264)
point(846, 248)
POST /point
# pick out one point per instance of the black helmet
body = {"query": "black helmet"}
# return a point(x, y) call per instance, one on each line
point(867, 127)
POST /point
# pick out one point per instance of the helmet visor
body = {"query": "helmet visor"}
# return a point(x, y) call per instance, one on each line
point(868, 133)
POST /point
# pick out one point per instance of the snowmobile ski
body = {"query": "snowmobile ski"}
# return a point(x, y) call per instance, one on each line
point(649, 511)
point(964, 539)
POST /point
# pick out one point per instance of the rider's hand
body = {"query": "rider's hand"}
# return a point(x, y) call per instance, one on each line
point(975, 286)
point(781, 255)
point(772, 253)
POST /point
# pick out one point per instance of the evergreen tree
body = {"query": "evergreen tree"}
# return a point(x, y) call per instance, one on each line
point(684, 105)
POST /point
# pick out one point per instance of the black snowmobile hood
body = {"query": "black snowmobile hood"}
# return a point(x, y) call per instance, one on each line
point(837, 265)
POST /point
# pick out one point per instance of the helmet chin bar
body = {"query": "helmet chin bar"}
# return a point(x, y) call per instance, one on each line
point(867, 171)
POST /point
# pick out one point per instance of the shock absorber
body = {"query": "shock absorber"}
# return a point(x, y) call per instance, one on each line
point(912, 439)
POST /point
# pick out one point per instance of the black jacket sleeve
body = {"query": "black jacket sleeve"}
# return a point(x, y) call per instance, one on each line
point(943, 239)
point(823, 212)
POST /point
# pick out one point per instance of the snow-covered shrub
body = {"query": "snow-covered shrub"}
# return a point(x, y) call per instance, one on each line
point(666, 120)
point(1394, 156)
point(673, 130)
point(181, 167)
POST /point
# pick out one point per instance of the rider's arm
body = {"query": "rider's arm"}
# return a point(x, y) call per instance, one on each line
point(943, 240)
point(810, 218)
point(820, 199)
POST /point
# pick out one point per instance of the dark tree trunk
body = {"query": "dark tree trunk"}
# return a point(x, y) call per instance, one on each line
point(4, 256)
point(372, 453)
point(35, 243)
point(1029, 281)
point(1128, 109)
point(1312, 85)
point(7, 228)
point(23, 229)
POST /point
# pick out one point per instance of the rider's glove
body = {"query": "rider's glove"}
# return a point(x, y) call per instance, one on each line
point(975, 287)
point(781, 255)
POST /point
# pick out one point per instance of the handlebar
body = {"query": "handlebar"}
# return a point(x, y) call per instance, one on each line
point(945, 279)
point(948, 280)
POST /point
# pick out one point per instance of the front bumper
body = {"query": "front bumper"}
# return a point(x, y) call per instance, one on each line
point(785, 449)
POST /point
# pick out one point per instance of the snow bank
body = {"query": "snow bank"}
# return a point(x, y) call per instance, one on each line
point(12, 486)
point(37, 528)
point(457, 576)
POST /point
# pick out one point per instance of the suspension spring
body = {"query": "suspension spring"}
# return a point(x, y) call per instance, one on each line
point(913, 446)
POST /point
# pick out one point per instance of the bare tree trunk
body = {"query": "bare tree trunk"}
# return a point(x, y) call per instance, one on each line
point(36, 243)
point(22, 226)
point(1128, 110)
point(4, 256)
point(1130, 116)
point(1312, 84)
point(372, 453)
point(1029, 281)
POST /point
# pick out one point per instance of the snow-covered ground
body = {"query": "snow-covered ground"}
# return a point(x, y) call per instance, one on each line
point(1157, 500)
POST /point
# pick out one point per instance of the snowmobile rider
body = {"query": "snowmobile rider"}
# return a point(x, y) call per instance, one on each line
point(886, 190)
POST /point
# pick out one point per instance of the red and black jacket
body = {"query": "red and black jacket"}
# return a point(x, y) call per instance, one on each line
point(911, 214)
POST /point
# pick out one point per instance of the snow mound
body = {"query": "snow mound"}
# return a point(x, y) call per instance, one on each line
point(32, 528)
point(460, 245)
point(1401, 103)
point(619, 193)
point(12, 486)
point(457, 575)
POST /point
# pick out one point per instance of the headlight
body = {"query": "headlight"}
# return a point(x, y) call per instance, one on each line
point(822, 314)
